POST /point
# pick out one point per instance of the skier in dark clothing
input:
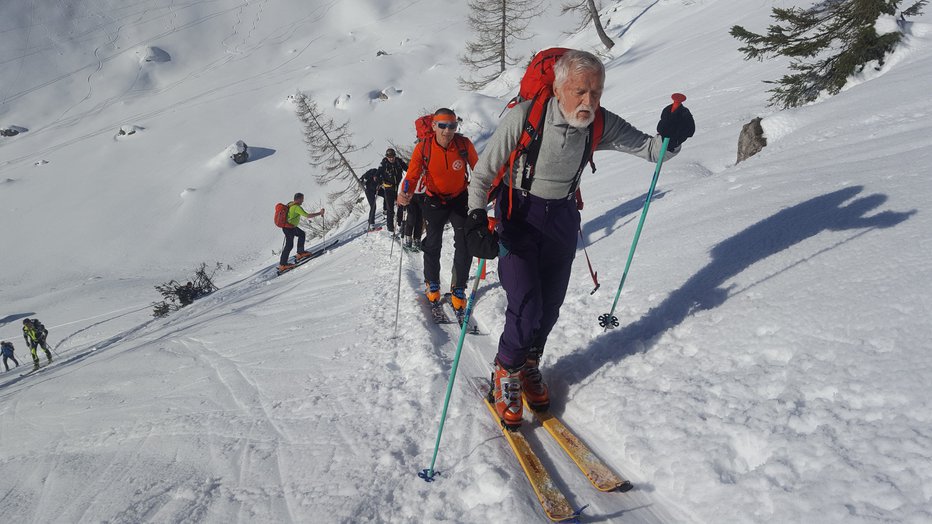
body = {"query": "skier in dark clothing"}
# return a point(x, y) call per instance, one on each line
point(391, 173)
point(186, 294)
point(370, 179)
point(536, 242)
point(241, 153)
point(34, 334)
point(414, 217)
point(6, 348)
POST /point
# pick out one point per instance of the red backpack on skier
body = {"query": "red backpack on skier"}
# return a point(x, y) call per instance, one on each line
point(281, 215)
point(537, 86)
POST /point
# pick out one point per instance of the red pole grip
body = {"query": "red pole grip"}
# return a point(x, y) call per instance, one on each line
point(678, 98)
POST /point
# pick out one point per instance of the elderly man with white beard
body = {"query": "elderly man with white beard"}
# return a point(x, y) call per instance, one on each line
point(536, 229)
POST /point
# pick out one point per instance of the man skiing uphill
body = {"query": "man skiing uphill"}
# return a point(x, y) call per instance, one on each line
point(370, 180)
point(538, 222)
point(295, 212)
point(391, 173)
point(34, 334)
point(441, 159)
point(6, 349)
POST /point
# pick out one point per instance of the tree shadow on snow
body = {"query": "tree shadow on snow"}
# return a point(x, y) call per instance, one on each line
point(829, 212)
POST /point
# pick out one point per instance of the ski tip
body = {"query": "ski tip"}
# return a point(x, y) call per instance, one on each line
point(626, 485)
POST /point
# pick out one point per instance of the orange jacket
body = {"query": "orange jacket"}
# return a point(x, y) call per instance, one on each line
point(445, 173)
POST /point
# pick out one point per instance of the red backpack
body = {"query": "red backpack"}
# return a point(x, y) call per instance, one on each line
point(537, 86)
point(281, 215)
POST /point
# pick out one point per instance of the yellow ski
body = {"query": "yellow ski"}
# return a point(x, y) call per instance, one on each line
point(595, 470)
point(551, 499)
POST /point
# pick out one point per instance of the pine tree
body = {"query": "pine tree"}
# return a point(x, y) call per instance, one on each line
point(496, 24)
point(827, 43)
point(588, 12)
point(177, 295)
point(329, 146)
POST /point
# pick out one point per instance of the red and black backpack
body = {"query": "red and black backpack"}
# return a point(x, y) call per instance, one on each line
point(537, 86)
point(281, 215)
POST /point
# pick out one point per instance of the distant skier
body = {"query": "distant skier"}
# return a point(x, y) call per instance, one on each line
point(295, 212)
point(6, 348)
point(241, 154)
point(34, 333)
point(370, 179)
point(186, 293)
point(391, 173)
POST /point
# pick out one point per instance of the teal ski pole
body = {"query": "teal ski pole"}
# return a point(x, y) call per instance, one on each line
point(429, 473)
point(609, 320)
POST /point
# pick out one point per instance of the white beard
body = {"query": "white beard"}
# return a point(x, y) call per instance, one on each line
point(575, 121)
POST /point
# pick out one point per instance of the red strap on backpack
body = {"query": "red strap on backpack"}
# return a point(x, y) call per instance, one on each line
point(426, 136)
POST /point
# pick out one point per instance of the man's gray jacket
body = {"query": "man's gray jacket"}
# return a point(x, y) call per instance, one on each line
point(561, 152)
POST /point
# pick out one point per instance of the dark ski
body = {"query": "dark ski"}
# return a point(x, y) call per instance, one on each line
point(315, 254)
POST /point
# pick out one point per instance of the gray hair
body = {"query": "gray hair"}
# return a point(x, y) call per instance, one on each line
point(576, 61)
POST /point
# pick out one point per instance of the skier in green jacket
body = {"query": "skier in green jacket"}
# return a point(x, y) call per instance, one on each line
point(34, 333)
point(295, 212)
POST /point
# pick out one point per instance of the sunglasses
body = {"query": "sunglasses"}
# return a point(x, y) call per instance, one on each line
point(446, 125)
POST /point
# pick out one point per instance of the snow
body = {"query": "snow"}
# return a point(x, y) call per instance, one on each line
point(772, 360)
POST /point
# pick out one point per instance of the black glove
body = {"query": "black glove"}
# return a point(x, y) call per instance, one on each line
point(480, 242)
point(676, 125)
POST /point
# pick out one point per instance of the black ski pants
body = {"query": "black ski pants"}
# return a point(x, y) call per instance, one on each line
point(370, 197)
point(34, 348)
point(388, 203)
point(7, 366)
point(290, 234)
point(414, 217)
point(438, 212)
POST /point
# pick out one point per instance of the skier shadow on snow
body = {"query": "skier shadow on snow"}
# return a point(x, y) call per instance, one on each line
point(611, 221)
point(258, 153)
point(828, 212)
point(14, 317)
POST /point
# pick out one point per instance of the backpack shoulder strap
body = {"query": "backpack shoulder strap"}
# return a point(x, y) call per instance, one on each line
point(596, 129)
point(426, 147)
point(460, 142)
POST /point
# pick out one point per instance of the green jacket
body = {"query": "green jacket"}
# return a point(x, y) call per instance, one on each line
point(30, 334)
point(295, 212)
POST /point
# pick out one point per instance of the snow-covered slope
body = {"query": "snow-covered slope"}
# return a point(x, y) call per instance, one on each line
point(771, 359)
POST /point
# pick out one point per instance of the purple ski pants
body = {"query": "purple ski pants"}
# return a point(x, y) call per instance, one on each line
point(540, 240)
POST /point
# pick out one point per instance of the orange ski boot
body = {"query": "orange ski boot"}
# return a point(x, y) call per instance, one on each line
point(532, 382)
point(458, 299)
point(506, 395)
point(432, 292)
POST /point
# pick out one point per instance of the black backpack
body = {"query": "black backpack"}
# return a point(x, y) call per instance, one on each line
point(241, 158)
